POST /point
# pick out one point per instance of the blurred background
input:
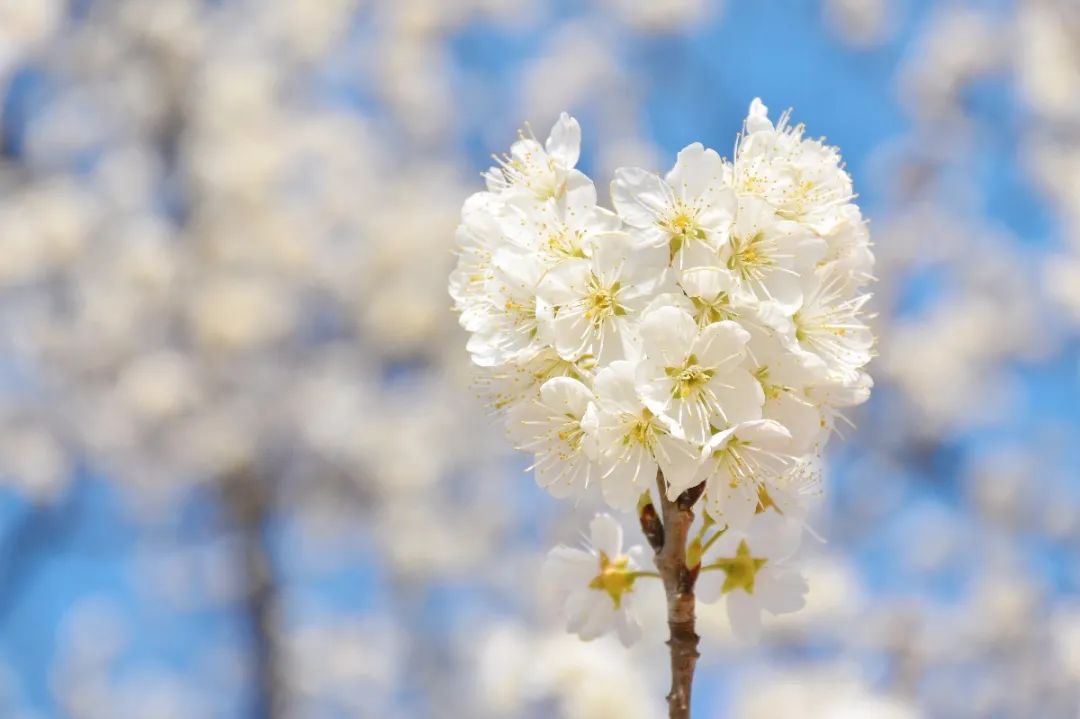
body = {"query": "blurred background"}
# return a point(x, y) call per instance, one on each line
point(242, 471)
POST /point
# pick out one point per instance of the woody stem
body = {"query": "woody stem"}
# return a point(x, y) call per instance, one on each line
point(669, 543)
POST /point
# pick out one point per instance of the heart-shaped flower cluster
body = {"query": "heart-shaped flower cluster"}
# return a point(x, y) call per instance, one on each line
point(711, 326)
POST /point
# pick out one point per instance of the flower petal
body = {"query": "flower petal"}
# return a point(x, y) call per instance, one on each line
point(606, 535)
point(639, 196)
point(564, 142)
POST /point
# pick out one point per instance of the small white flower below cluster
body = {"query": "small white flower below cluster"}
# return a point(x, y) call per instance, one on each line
point(597, 583)
point(750, 571)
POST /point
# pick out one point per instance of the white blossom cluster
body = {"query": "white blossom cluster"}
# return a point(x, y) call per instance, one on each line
point(711, 327)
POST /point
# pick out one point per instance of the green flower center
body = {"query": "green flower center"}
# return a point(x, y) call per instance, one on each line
point(749, 257)
point(614, 578)
point(642, 430)
point(688, 379)
point(682, 227)
point(717, 310)
point(740, 570)
point(601, 302)
point(565, 244)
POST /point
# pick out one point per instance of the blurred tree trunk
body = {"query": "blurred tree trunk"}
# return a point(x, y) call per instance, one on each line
point(249, 500)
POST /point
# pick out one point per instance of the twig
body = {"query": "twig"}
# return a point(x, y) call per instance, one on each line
point(679, 582)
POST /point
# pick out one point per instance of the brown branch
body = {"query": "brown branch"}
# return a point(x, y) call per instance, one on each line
point(679, 583)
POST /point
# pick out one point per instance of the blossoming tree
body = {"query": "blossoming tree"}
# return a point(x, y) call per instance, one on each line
point(685, 357)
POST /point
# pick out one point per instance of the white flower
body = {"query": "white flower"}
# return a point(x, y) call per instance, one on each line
point(507, 329)
point(542, 170)
point(838, 392)
point(597, 583)
point(634, 441)
point(558, 428)
point(742, 466)
point(689, 211)
point(478, 237)
point(788, 380)
point(829, 326)
point(803, 179)
point(508, 385)
point(596, 301)
point(769, 257)
point(748, 569)
point(557, 229)
point(847, 252)
point(693, 377)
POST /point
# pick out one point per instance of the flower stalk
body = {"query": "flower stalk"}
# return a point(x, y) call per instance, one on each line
point(679, 579)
